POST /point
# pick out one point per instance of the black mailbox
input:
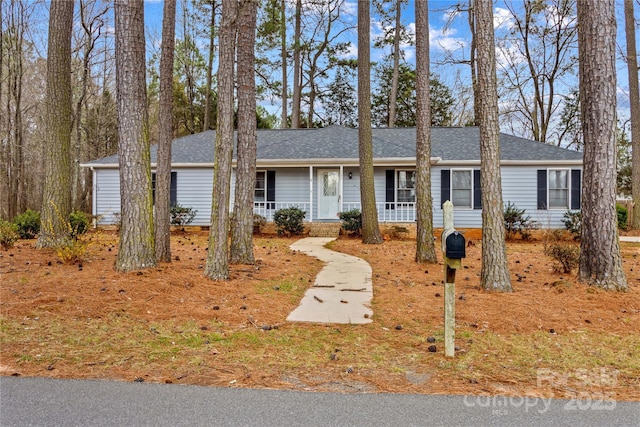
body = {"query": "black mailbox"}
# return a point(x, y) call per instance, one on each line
point(455, 245)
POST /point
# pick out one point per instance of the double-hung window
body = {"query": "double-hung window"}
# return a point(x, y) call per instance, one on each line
point(406, 186)
point(558, 189)
point(260, 195)
point(462, 188)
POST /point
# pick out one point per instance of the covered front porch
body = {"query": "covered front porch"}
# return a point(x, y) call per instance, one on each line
point(323, 191)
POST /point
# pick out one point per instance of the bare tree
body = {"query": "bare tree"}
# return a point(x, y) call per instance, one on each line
point(165, 135)
point(136, 248)
point(370, 227)
point(217, 265)
point(540, 53)
point(495, 270)
point(600, 260)
point(92, 22)
point(634, 101)
point(56, 204)
point(425, 248)
point(242, 225)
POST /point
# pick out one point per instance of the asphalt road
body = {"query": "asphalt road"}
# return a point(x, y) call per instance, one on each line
point(50, 402)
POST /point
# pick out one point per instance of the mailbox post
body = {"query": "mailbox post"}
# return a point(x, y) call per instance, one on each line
point(453, 250)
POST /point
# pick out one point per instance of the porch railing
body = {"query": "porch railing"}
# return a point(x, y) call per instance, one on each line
point(268, 209)
point(387, 211)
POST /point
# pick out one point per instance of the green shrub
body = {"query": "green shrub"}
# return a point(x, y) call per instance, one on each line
point(28, 224)
point(516, 222)
point(8, 234)
point(567, 257)
point(289, 220)
point(573, 223)
point(182, 215)
point(78, 223)
point(622, 216)
point(351, 220)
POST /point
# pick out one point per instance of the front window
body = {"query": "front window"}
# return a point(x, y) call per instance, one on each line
point(406, 186)
point(261, 187)
point(559, 189)
point(462, 188)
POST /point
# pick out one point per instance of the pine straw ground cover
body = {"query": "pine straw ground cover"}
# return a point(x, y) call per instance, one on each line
point(551, 337)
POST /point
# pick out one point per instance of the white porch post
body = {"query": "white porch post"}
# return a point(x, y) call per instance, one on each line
point(310, 193)
point(94, 198)
point(340, 189)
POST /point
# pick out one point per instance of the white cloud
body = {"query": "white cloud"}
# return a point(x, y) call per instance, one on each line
point(502, 17)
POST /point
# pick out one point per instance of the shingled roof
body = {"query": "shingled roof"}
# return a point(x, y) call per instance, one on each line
point(448, 144)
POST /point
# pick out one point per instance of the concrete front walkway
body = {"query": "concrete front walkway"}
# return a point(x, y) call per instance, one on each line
point(342, 291)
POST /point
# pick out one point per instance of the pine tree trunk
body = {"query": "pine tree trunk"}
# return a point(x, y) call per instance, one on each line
point(165, 135)
point(217, 265)
point(634, 101)
point(56, 204)
point(495, 270)
point(370, 227)
point(425, 248)
point(207, 96)
point(137, 248)
point(600, 260)
point(283, 58)
point(393, 97)
point(295, 105)
point(242, 225)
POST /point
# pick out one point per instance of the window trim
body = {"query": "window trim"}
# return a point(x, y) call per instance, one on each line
point(264, 199)
point(568, 189)
point(472, 189)
point(396, 187)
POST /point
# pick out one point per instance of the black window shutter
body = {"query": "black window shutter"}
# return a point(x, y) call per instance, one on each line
point(477, 190)
point(542, 189)
point(390, 197)
point(173, 193)
point(576, 188)
point(153, 187)
point(445, 186)
point(271, 189)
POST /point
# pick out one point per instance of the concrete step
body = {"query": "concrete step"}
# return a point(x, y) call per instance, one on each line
point(324, 229)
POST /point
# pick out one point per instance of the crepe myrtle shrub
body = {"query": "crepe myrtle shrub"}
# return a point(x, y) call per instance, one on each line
point(28, 224)
point(351, 220)
point(516, 222)
point(8, 234)
point(181, 215)
point(567, 257)
point(289, 221)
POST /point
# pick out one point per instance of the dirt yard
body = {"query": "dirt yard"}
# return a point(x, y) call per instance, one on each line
point(552, 336)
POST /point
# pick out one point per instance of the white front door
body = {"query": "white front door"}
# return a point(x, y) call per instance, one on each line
point(328, 193)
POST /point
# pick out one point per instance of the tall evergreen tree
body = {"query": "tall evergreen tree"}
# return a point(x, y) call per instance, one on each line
point(217, 265)
point(242, 225)
point(165, 135)
point(370, 227)
point(137, 240)
point(425, 248)
point(634, 103)
point(56, 204)
point(600, 260)
point(495, 270)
